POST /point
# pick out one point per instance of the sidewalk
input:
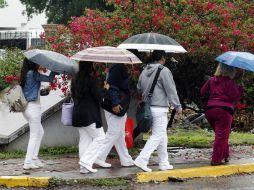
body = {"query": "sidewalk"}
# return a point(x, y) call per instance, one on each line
point(188, 163)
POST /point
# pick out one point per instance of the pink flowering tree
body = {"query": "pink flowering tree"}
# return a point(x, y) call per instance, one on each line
point(204, 28)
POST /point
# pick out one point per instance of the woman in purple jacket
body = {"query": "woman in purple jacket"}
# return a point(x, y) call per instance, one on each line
point(224, 93)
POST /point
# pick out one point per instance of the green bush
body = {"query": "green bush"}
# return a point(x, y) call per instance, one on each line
point(10, 65)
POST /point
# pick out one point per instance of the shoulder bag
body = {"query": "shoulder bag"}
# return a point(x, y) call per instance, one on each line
point(144, 116)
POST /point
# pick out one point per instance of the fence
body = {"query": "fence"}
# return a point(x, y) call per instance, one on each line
point(21, 39)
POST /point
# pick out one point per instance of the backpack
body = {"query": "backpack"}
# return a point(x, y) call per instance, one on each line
point(16, 99)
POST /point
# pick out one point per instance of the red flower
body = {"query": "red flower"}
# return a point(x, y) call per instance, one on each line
point(240, 106)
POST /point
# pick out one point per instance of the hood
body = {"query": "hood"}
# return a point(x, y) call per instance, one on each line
point(150, 68)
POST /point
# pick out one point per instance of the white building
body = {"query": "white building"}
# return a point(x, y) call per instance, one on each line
point(15, 28)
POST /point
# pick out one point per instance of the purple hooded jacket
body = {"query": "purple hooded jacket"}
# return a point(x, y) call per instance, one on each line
point(223, 92)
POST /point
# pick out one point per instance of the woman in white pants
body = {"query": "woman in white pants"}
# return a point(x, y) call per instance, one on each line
point(164, 94)
point(30, 81)
point(115, 136)
point(86, 115)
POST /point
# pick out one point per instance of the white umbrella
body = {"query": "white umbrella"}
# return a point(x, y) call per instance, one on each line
point(152, 41)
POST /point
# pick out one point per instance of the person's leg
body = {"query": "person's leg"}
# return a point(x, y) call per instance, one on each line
point(222, 131)
point(40, 134)
point(112, 135)
point(33, 115)
point(162, 148)
point(84, 141)
point(152, 143)
point(92, 150)
point(120, 145)
point(226, 146)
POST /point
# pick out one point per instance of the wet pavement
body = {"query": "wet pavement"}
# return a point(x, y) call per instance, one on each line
point(66, 166)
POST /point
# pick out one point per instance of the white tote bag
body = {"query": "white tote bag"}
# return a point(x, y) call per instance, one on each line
point(67, 109)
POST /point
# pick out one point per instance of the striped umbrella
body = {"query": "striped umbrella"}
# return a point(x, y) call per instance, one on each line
point(152, 41)
point(106, 54)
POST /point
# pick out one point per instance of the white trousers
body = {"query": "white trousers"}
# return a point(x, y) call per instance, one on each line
point(115, 136)
point(91, 140)
point(158, 140)
point(33, 116)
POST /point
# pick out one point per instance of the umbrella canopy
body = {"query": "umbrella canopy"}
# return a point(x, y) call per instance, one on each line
point(152, 41)
point(106, 54)
point(52, 60)
point(243, 60)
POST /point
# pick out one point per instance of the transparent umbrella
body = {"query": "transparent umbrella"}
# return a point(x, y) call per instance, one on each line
point(152, 41)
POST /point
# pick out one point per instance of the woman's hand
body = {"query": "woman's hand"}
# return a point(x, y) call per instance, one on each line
point(106, 85)
point(117, 108)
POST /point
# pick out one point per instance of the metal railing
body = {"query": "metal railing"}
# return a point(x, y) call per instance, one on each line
point(21, 39)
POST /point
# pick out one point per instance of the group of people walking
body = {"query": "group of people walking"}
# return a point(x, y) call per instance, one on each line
point(87, 93)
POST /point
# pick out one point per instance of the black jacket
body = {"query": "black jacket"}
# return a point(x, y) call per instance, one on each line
point(87, 110)
point(118, 77)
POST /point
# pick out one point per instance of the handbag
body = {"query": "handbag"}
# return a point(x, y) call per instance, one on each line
point(144, 116)
point(16, 99)
point(106, 102)
point(67, 109)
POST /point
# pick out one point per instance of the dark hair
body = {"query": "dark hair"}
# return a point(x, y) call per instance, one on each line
point(79, 85)
point(27, 65)
point(157, 55)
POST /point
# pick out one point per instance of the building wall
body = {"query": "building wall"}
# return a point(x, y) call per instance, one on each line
point(55, 134)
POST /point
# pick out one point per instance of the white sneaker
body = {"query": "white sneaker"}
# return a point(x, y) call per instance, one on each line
point(28, 166)
point(128, 164)
point(38, 163)
point(169, 167)
point(102, 163)
point(83, 170)
point(89, 168)
point(142, 166)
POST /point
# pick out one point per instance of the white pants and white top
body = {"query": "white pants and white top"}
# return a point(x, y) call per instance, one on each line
point(158, 140)
point(115, 136)
point(32, 114)
point(91, 140)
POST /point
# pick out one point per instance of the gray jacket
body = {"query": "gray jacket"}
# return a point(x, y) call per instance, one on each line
point(165, 90)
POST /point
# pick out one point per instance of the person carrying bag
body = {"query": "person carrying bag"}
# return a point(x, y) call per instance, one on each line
point(164, 93)
point(144, 115)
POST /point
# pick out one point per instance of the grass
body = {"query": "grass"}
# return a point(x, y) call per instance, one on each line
point(191, 138)
point(44, 152)
point(199, 138)
point(109, 182)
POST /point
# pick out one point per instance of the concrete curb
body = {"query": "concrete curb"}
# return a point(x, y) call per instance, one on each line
point(24, 181)
point(208, 171)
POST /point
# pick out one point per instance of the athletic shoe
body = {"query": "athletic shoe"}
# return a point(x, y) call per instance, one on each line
point(142, 166)
point(102, 163)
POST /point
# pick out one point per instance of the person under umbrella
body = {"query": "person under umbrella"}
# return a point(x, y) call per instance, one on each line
point(164, 94)
point(118, 78)
point(223, 94)
point(86, 115)
point(30, 81)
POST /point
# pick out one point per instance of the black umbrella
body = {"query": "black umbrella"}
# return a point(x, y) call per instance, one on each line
point(152, 41)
